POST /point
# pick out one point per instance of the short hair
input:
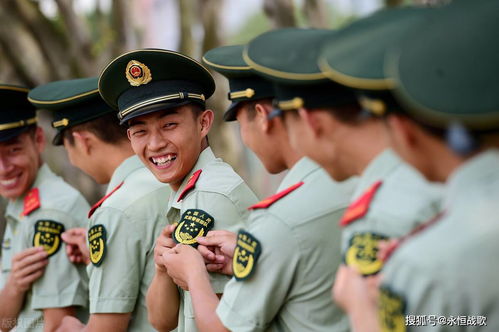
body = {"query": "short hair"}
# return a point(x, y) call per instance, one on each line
point(251, 106)
point(106, 128)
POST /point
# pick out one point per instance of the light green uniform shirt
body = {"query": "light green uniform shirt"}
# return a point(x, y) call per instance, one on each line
point(223, 194)
point(404, 200)
point(450, 269)
point(290, 286)
point(133, 217)
point(62, 284)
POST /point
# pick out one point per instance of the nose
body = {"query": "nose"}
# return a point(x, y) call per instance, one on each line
point(157, 141)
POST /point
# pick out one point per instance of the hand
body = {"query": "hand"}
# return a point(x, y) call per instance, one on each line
point(27, 266)
point(182, 263)
point(217, 249)
point(164, 243)
point(70, 324)
point(352, 291)
point(76, 245)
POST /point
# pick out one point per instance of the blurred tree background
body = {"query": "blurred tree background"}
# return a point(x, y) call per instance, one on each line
point(47, 40)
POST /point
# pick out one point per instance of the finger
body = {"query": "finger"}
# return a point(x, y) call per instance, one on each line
point(168, 230)
point(26, 253)
point(211, 241)
point(28, 260)
point(32, 268)
point(214, 267)
point(207, 254)
point(28, 280)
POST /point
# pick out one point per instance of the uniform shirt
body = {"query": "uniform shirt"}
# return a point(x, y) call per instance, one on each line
point(290, 286)
point(450, 268)
point(402, 199)
point(132, 217)
point(63, 284)
point(221, 193)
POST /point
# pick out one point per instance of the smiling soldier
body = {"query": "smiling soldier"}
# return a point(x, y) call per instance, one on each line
point(39, 284)
point(161, 96)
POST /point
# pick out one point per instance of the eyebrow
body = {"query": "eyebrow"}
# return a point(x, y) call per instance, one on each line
point(135, 122)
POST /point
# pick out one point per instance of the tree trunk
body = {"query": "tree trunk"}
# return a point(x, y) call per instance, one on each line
point(316, 13)
point(280, 12)
point(186, 42)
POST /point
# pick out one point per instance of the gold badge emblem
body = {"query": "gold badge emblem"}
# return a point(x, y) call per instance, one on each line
point(48, 235)
point(193, 223)
point(363, 253)
point(391, 311)
point(137, 73)
point(245, 255)
point(97, 244)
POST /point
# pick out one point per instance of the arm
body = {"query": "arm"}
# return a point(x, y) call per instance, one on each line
point(163, 300)
point(52, 317)
point(27, 266)
point(186, 267)
point(96, 323)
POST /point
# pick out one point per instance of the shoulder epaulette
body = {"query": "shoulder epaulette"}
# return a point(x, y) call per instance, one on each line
point(31, 201)
point(99, 203)
point(191, 184)
point(274, 198)
point(359, 208)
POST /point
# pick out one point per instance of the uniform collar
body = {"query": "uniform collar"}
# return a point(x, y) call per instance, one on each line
point(205, 157)
point(297, 173)
point(382, 165)
point(15, 207)
point(123, 170)
point(479, 170)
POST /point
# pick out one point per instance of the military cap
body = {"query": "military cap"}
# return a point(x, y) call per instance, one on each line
point(244, 84)
point(16, 113)
point(148, 80)
point(72, 102)
point(447, 72)
point(288, 57)
point(355, 55)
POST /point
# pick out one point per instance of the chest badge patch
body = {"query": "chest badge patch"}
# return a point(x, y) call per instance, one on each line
point(391, 311)
point(362, 253)
point(193, 223)
point(48, 235)
point(97, 236)
point(246, 254)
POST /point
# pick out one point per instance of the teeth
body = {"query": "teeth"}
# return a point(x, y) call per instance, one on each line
point(163, 160)
point(8, 182)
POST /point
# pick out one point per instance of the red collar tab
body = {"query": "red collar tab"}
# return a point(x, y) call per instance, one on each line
point(360, 207)
point(274, 198)
point(31, 201)
point(190, 184)
point(395, 244)
point(99, 203)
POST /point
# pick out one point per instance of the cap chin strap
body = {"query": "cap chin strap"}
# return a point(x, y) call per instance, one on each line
point(17, 124)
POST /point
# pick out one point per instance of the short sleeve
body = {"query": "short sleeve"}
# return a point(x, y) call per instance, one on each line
point(114, 284)
point(251, 304)
point(63, 283)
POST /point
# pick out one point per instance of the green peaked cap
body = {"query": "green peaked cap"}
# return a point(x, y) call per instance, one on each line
point(149, 80)
point(71, 102)
point(16, 113)
point(288, 58)
point(244, 83)
point(448, 71)
point(355, 55)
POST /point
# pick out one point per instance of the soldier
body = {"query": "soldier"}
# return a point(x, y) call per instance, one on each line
point(278, 283)
point(161, 95)
point(443, 276)
point(39, 284)
point(125, 222)
point(391, 197)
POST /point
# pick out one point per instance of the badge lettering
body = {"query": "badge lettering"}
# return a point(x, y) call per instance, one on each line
point(193, 223)
point(246, 254)
point(97, 236)
point(48, 235)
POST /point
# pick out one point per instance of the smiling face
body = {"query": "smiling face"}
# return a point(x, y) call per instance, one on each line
point(169, 142)
point(19, 163)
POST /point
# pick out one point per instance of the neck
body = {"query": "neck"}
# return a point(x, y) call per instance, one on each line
point(440, 161)
point(366, 142)
point(114, 156)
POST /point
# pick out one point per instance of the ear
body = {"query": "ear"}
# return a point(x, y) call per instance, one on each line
point(129, 134)
point(262, 114)
point(312, 121)
point(85, 141)
point(39, 139)
point(206, 121)
point(403, 131)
